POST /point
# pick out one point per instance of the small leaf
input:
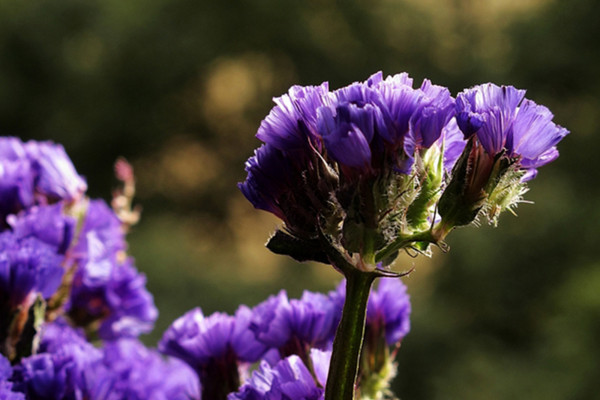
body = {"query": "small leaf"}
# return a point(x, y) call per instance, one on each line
point(299, 249)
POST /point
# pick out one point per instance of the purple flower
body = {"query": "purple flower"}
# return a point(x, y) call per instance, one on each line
point(294, 326)
point(35, 173)
point(214, 347)
point(291, 124)
point(388, 310)
point(27, 266)
point(5, 369)
point(129, 370)
point(57, 373)
point(503, 120)
point(6, 387)
point(114, 294)
point(197, 339)
point(57, 334)
point(106, 286)
point(57, 178)
point(102, 234)
point(269, 177)
point(46, 223)
point(330, 156)
point(347, 133)
point(288, 379)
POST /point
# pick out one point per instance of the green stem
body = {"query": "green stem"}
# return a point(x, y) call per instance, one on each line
point(343, 369)
point(403, 241)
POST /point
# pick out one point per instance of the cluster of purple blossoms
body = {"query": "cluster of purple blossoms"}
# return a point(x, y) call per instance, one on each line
point(64, 256)
point(377, 164)
point(85, 274)
point(290, 338)
point(68, 367)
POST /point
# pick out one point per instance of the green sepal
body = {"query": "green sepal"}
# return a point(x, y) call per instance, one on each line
point(453, 206)
point(299, 249)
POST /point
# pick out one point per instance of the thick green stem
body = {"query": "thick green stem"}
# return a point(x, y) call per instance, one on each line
point(349, 336)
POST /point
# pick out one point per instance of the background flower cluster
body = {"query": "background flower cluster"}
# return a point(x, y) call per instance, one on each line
point(72, 305)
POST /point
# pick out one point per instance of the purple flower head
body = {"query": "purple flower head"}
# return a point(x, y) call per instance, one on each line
point(50, 376)
point(6, 392)
point(343, 162)
point(114, 294)
point(129, 370)
point(347, 133)
point(294, 326)
point(27, 266)
point(388, 310)
point(398, 102)
point(197, 339)
point(101, 235)
point(107, 287)
point(432, 108)
point(5, 369)
point(46, 223)
point(58, 334)
point(214, 347)
point(291, 124)
point(35, 173)
point(504, 121)
point(269, 176)
point(57, 177)
point(58, 372)
point(288, 379)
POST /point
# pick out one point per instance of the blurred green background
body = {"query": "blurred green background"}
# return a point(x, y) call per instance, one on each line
point(179, 88)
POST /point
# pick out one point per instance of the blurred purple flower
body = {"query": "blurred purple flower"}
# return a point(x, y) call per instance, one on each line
point(59, 371)
point(214, 347)
point(106, 286)
point(288, 379)
point(101, 235)
point(115, 295)
point(27, 266)
point(6, 387)
point(35, 173)
point(294, 326)
point(388, 310)
point(130, 371)
point(46, 223)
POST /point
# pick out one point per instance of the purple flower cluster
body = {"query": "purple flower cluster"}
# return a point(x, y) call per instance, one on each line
point(64, 256)
point(317, 141)
point(292, 339)
point(86, 272)
point(106, 286)
point(368, 163)
point(69, 367)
